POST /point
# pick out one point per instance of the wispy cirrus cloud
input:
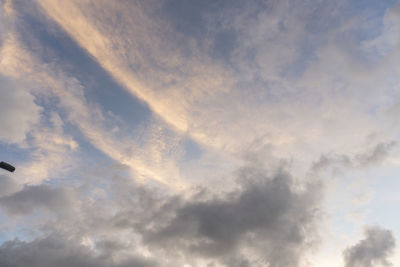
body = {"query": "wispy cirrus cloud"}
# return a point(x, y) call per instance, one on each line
point(49, 81)
point(204, 96)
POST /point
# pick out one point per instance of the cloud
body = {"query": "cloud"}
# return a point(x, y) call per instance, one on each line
point(18, 111)
point(197, 79)
point(283, 76)
point(374, 250)
point(378, 154)
point(266, 220)
point(371, 157)
point(35, 197)
point(57, 250)
point(24, 116)
point(385, 43)
point(288, 63)
point(151, 154)
point(7, 185)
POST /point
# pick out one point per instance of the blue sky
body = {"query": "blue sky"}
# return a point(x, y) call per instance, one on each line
point(199, 133)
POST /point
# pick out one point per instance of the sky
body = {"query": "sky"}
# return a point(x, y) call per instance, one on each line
point(213, 133)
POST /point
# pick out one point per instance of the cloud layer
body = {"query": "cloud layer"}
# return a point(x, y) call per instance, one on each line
point(198, 133)
point(266, 220)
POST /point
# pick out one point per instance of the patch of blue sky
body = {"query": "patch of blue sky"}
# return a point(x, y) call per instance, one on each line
point(49, 105)
point(371, 195)
point(338, 203)
point(193, 150)
point(325, 17)
point(368, 18)
point(21, 229)
point(12, 153)
point(87, 154)
point(57, 47)
point(328, 16)
point(15, 154)
point(190, 17)
point(373, 27)
point(377, 8)
point(384, 206)
point(202, 21)
point(224, 43)
point(305, 56)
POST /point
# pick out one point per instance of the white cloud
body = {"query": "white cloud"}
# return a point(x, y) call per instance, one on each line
point(18, 111)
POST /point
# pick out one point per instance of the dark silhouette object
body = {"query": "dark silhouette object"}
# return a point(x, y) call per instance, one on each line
point(7, 166)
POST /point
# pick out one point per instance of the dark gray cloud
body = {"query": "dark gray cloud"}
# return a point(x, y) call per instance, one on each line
point(267, 217)
point(59, 251)
point(372, 251)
